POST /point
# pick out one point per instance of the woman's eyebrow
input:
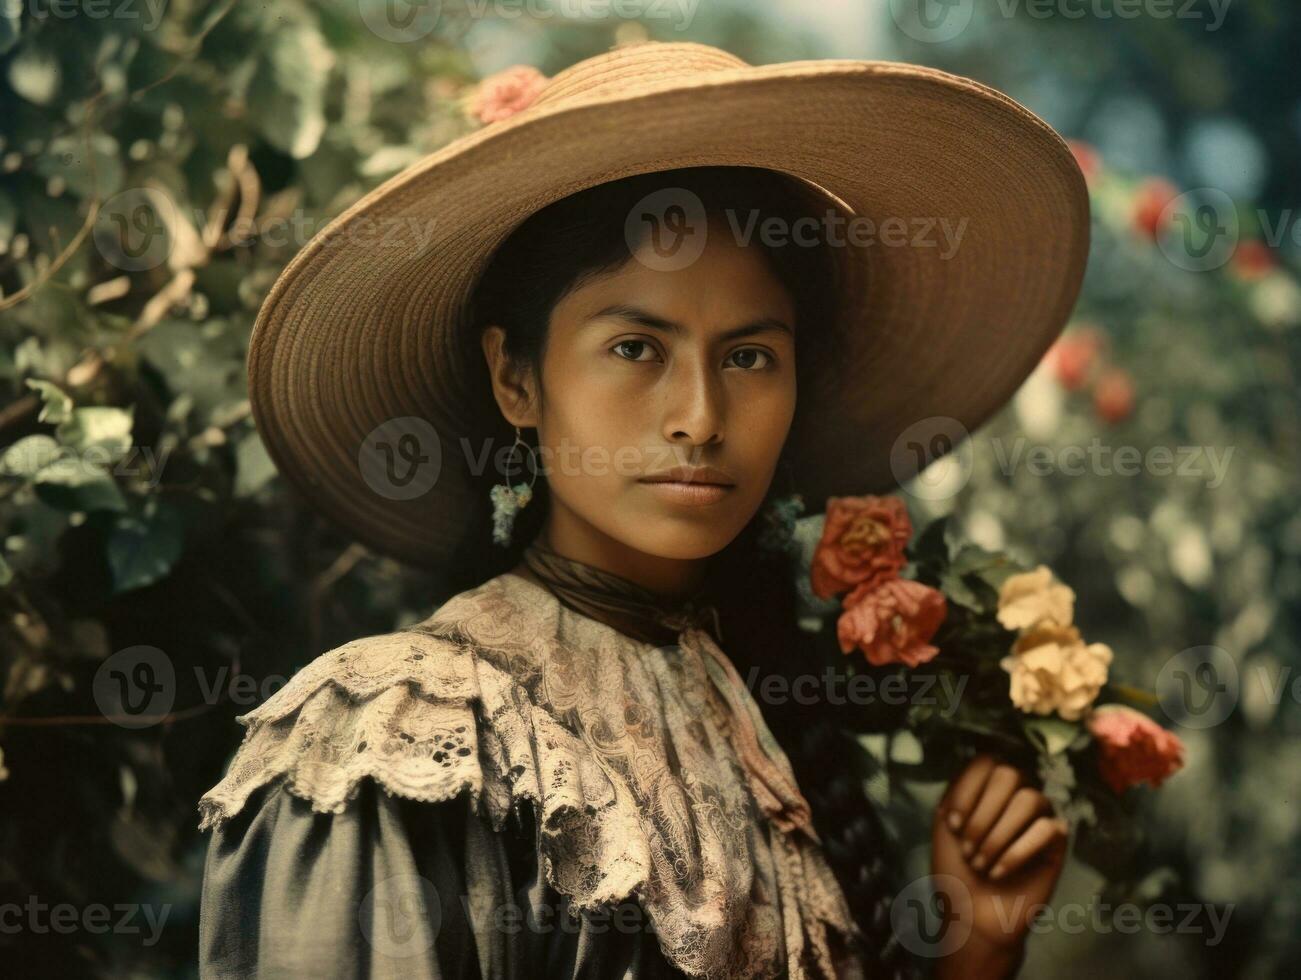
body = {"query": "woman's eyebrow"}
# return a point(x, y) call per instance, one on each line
point(644, 318)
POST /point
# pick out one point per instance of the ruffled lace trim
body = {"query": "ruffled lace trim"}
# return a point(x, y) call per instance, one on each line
point(461, 703)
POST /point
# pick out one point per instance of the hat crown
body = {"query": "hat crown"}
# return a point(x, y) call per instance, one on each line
point(628, 65)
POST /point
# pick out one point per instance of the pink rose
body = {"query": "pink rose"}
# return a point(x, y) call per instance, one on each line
point(862, 544)
point(505, 93)
point(1133, 748)
point(892, 622)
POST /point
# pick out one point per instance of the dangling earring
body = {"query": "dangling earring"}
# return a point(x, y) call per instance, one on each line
point(507, 501)
point(779, 517)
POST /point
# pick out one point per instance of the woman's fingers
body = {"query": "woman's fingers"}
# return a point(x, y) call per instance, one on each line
point(1003, 781)
point(1026, 804)
point(1043, 832)
point(965, 790)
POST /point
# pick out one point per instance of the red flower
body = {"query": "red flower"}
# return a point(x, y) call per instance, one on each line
point(1073, 356)
point(1149, 201)
point(892, 622)
point(1252, 259)
point(862, 544)
point(1133, 749)
point(1113, 396)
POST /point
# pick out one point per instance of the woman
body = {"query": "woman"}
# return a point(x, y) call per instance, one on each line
point(575, 780)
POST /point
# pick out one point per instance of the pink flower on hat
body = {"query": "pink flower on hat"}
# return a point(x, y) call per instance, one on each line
point(505, 93)
point(1133, 748)
point(892, 622)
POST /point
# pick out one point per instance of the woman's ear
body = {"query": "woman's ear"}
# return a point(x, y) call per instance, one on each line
point(512, 386)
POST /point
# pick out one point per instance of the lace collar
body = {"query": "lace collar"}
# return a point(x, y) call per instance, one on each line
point(650, 770)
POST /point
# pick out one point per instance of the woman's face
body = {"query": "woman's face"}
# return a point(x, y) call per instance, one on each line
point(646, 369)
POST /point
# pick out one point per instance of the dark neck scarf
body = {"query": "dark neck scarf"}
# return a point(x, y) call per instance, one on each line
point(602, 595)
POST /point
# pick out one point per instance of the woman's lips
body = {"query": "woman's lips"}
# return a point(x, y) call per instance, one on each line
point(688, 493)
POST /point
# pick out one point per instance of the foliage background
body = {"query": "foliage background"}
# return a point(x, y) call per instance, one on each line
point(253, 124)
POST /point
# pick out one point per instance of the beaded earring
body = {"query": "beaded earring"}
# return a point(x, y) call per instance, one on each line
point(507, 501)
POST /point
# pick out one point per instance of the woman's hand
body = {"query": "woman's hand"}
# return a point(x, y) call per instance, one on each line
point(998, 837)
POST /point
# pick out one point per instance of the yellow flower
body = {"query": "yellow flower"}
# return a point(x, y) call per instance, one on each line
point(1033, 598)
point(1052, 669)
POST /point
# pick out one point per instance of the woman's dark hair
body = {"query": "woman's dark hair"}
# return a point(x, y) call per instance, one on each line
point(551, 253)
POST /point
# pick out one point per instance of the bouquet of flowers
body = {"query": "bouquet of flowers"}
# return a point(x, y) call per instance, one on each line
point(983, 654)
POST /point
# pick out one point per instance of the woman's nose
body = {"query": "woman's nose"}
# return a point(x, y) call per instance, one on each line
point(696, 403)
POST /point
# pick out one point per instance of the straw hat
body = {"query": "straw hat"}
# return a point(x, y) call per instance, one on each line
point(370, 397)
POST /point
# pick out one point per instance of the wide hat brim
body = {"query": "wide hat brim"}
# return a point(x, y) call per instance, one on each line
point(374, 403)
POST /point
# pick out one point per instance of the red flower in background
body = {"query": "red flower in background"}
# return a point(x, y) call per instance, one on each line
point(1113, 396)
point(1252, 260)
point(1149, 201)
point(862, 543)
point(1074, 355)
point(1087, 158)
point(1133, 749)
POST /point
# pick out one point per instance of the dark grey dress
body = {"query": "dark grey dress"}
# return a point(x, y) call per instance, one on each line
point(433, 802)
point(385, 890)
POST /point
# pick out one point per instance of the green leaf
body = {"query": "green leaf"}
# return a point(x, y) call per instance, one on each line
point(289, 82)
point(956, 590)
point(102, 433)
point(143, 551)
point(66, 157)
point(58, 406)
point(34, 74)
point(72, 483)
point(1052, 735)
point(28, 456)
point(931, 545)
point(6, 573)
point(11, 25)
point(8, 218)
point(253, 466)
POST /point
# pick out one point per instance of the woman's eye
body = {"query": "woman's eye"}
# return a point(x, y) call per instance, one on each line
point(749, 353)
point(636, 344)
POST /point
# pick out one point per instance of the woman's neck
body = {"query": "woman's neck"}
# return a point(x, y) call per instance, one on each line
point(671, 578)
